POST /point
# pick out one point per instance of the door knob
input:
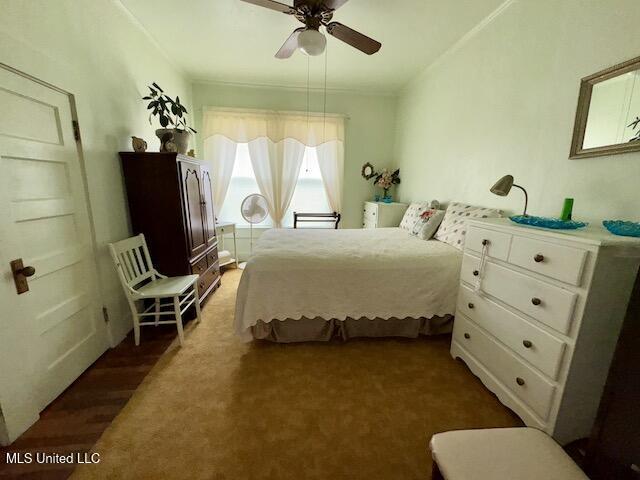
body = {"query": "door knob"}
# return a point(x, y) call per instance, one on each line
point(20, 275)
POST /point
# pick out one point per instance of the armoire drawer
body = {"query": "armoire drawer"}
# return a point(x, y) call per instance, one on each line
point(528, 385)
point(547, 303)
point(556, 261)
point(498, 243)
point(199, 267)
point(212, 257)
point(542, 350)
point(209, 277)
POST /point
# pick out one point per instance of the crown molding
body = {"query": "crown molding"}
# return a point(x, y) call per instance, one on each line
point(443, 57)
point(361, 91)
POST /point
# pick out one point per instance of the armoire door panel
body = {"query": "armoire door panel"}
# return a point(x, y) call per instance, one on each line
point(191, 188)
point(207, 206)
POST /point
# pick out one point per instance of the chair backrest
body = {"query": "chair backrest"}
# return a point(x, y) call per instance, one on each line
point(132, 260)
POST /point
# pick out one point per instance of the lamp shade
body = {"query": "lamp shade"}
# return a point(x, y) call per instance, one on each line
point(503, 186)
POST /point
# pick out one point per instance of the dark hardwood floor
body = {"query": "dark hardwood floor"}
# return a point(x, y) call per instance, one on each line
point(76, 419)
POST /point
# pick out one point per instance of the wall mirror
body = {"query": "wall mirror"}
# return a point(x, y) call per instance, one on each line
point(608, 115)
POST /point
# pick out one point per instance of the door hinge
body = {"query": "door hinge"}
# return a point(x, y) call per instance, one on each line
point(105, 314)
point(76, 130)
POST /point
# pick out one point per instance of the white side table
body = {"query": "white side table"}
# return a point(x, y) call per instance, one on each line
point(222, 229)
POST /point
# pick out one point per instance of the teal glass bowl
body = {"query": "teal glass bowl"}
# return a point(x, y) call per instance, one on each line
point(622, 228)
point(546, 222)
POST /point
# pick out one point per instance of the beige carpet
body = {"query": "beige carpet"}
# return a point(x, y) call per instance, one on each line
point(221, 409)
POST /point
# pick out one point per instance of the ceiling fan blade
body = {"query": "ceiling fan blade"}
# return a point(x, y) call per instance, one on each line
point(334, 4)
point(273, 5)
point(353, 38)
point(290, 45)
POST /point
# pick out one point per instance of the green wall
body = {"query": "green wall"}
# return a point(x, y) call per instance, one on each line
point(98, 52)
point(504, 101)
point(369, 129)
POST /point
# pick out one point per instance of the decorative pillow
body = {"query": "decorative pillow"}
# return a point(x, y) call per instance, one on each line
point(428, 223)
point(453, 227)
point(412, 214)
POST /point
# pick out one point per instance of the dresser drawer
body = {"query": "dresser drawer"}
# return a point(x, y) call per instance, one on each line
point(547, 303)
point(200, 266)
point(542, 350)
point(498, 243)
point(369, 223)
point(555, 261)
point(528, 385)
point(370, 209)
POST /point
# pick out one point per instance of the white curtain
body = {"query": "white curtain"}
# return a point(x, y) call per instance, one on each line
point(276, 167)
point(277, 143)
point(331, 163)
point(220, 152)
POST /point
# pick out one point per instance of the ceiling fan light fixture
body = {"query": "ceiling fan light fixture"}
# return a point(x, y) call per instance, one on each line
point(311, 42)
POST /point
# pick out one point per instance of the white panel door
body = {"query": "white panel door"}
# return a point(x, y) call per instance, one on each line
point(52, 333)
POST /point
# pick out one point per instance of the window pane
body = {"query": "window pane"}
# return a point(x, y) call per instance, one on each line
point(309, 195)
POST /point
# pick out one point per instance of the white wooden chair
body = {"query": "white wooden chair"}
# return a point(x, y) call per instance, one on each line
point(141, 281)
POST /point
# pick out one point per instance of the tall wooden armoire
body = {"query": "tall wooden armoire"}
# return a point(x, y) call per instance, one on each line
point(171, 202)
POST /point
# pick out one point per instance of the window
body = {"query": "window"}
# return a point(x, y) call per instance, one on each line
point(309, 195)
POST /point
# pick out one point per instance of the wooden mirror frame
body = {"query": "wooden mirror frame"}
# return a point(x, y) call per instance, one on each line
point(584, 101)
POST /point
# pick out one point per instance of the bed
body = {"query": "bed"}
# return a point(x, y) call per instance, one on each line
point(314, 285)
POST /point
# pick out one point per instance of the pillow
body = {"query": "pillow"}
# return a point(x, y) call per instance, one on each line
point(412, 214)
point(453, 227)
point(427, 223)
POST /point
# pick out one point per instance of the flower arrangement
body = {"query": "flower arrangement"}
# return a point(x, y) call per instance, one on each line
point(383, 179)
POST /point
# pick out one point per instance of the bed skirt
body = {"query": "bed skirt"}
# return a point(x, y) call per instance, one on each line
point(321, 330)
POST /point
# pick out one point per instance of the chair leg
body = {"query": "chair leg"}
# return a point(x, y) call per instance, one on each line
point(157, 311)
point(176, 309)
point(197, 302)
point(136, 322)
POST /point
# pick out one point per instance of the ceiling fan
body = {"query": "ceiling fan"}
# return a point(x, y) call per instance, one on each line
point(314, 14)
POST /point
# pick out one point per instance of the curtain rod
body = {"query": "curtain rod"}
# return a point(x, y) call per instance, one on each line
point(276, 112)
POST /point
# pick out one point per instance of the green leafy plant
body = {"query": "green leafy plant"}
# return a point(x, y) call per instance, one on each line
point(633, 125)
point(168, 110)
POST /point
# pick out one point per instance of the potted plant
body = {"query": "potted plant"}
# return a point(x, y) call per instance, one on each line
point(169, 112)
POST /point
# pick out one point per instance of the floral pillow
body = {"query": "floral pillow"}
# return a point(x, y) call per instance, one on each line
point(453, 227)
point(427, 224)
point(412, 214)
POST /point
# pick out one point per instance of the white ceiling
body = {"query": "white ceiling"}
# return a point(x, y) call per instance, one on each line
point(233, 41)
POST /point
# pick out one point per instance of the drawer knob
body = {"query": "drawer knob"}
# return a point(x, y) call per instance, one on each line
point(485, 242)
point(527, 343)
point(476, 273)
point(538, 258)
point(520, 381)
point(536, 301)
point(471, 305)
point(467, 336)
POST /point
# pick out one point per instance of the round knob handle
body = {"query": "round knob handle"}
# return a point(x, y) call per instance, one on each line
point(485, 242)
point(536, 301)
point(467, 336)
point(538, 258)
point(520, 381)
point(28, 271)
point(527, 343)
point(471, 305)
point(476, 273)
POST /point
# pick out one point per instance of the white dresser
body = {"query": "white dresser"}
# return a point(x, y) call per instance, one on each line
point(541, 331)
point(381, 215)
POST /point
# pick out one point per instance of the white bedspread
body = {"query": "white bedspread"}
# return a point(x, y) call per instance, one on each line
point(372, 273)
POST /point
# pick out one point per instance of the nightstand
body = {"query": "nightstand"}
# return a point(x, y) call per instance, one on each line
point(381, 215)
point(227, 228)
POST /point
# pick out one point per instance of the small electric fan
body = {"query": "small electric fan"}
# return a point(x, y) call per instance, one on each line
point(254, 210)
